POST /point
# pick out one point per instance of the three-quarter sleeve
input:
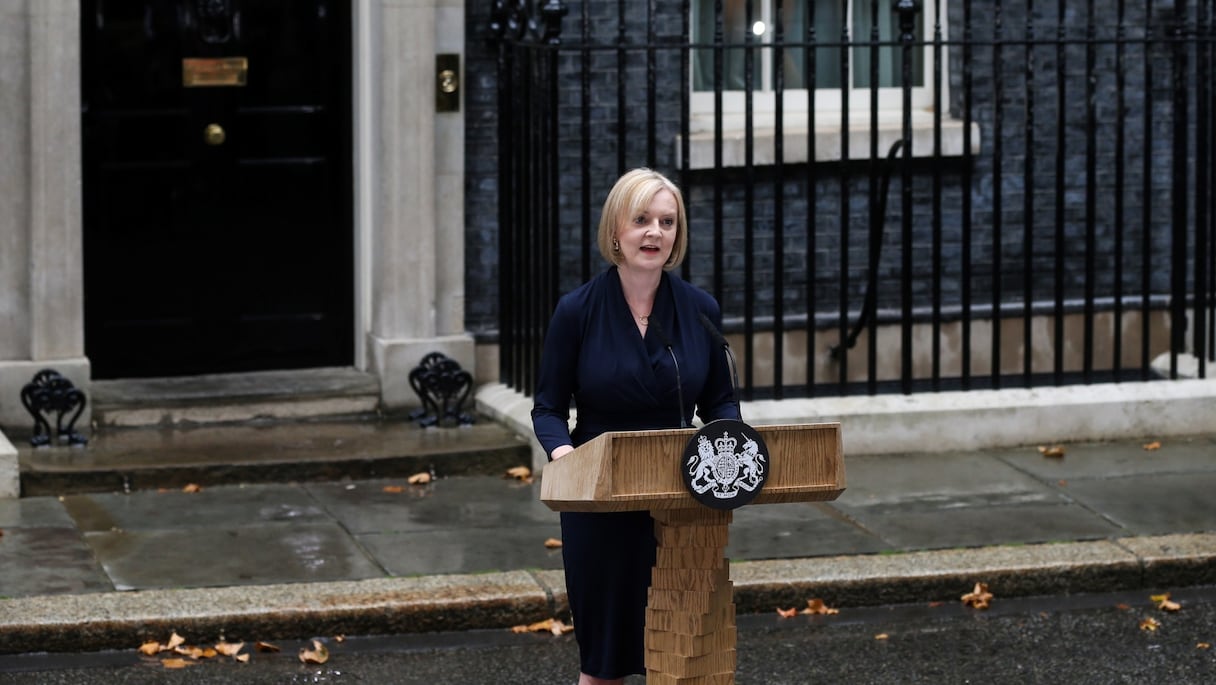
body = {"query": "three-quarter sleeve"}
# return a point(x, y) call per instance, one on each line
point(556, 381)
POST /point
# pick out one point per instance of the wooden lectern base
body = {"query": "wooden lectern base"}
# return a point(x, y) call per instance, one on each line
point(690, 615)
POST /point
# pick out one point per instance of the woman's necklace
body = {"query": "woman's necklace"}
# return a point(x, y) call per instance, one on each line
point(643, 320)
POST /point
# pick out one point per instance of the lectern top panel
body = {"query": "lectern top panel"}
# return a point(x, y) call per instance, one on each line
point(640, 470)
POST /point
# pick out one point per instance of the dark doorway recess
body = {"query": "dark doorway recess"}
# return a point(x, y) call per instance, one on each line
point(217, 198)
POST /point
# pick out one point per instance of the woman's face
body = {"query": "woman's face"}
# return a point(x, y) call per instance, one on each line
point(647, 238)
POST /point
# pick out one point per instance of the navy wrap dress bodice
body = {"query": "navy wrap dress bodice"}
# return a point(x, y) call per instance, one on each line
point(619, 379)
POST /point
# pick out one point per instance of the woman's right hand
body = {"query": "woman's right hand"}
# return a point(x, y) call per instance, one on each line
point(561, 451)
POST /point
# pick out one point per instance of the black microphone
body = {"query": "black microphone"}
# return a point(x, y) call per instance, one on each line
point(721, 341)
point(654, 326)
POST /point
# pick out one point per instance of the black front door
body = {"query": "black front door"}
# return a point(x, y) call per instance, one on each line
point(217, 185)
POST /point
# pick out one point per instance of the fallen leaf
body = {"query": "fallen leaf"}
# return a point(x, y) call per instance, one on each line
point(394, 489)
point(229, 648)
point(1150, 624)
point(559, 628)
point(1154, 445)
point(1169, 605)
point(979, 598)
point(317, 655)
point(243, 658)
point(1052, 451)
point(882, 636)
point(787, 613)
point(549, 625)
point(1123, 607)
point(519, 473)
point(553, 543)
point(934, 605)
point(176, 663)
point(1157, 599)
point(192, 652)
point(1203, 645)
point(818, 608)
point(339, 639)
point(150, 648)
point(192, 487)
point(175, 640)
point(420, 478)
point(265, 647)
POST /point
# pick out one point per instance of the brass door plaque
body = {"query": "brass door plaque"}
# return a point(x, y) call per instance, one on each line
point(203, 72)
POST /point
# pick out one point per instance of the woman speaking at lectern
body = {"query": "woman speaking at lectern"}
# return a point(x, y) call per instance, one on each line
point(631, 349)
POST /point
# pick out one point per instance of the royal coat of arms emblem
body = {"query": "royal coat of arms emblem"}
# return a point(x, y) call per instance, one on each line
point(725, 464)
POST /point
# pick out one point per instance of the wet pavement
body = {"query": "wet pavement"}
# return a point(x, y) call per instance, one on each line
point(1103, 514)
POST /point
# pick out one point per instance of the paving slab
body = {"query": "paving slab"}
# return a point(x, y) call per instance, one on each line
point(783, 531)
point(1147, 504)
point(451, 504)
point(909, 528)
point(48, 561)
point(897, 478)
point(229, 556)
point(477, 550)
point(1195, 454)
point(220, 506)
point(42, 512)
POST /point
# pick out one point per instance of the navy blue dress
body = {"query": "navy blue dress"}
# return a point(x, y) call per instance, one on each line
point(622, 381)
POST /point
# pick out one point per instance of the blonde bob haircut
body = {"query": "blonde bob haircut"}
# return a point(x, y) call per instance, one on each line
point(631, 195)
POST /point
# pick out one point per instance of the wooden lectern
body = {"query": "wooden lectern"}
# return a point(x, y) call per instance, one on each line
point(690, 616)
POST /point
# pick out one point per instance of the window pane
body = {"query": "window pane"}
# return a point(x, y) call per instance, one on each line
point(734, 28)
point(796, 18)
point(890, 57)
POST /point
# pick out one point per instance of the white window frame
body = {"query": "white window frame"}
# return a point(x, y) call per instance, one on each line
point(830, 122)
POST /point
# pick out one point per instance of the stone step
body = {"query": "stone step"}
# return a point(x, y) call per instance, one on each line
point(125, 459)
point(233, 398)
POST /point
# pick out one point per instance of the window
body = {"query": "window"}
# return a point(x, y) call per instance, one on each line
point(727, 67)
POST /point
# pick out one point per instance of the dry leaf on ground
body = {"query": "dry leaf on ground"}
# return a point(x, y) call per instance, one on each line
point(317, 655)
point(419, 478)
point(1150, 624)
point(150, 648)
point(1164, 602)
point(243, 658)
point(549, 625)
point(817, 607)
point(553, 543)
point(787, 613)
point(192, 487)
point(1154, 445)
point(192, 652)
point(881, 636)
point(1203, 645)
point(1055, 451)
point(176, 662)
point(229, 648)
point(175, 640)
point(265, 647)
point(522, 473)
point(979, 598)
point(393, 489)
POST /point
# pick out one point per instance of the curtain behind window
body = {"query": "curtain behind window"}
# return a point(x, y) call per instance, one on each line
point(796, 17)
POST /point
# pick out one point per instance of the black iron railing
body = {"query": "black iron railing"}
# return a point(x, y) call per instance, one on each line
point(885, 196)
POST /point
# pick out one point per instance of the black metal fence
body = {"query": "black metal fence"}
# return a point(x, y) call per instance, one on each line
point(885, 196)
